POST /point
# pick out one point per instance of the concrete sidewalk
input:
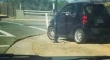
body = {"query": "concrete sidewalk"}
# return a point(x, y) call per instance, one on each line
point(9, 19)
point(42, 46)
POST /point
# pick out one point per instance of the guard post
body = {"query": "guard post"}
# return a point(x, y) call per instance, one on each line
point(55, 22)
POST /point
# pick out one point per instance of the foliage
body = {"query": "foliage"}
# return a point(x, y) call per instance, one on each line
point(36, 4)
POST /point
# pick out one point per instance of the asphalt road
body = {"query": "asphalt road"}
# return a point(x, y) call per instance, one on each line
point(13, 31)
point(42, 46)
point(37, 24)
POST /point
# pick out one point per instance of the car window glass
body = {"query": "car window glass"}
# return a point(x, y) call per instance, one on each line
point(68, 8)
point(89, 9)
point(73, 10)
point(97, 10)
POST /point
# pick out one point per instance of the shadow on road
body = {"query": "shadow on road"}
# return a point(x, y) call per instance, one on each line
point(91, 41)
point(101, 41)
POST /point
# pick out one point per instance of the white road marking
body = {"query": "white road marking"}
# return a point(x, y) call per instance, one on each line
point(38, 28)
point(6, 34)
point(4, 46)
point(14, 23)
point(29, 26)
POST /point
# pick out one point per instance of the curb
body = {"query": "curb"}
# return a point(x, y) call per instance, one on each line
point(24, 20)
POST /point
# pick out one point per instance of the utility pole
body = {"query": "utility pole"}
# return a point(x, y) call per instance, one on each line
point(20, 6)
point(55, 23)
point(7, 8)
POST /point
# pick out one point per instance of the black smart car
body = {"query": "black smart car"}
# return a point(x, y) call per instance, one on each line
point(81, 21)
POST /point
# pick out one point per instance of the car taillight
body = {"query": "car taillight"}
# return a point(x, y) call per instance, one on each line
point(84, 19)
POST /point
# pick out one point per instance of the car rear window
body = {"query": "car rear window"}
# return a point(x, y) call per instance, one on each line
point(96, 10)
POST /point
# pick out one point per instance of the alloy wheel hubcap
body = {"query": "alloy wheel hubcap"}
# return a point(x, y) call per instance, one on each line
point(78, 36)
point(51, 33)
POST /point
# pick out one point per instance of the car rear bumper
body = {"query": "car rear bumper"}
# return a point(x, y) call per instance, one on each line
point(97, 33)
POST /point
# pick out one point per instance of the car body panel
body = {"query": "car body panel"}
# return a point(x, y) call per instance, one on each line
point(67, 24)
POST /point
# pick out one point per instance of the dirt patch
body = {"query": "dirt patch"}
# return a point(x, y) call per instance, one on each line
point(45, 47)
point(42, 46)
point(22, 47)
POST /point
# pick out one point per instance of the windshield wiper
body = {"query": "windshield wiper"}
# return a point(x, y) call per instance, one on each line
point(36, 57)
point(27, 57)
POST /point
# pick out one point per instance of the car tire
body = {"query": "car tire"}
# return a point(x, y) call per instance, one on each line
point(50, 33)
point(79, 36)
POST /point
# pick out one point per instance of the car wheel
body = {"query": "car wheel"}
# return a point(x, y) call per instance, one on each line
point(50, 33)
point(79, 36)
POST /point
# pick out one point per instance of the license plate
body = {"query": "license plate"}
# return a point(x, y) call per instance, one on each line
point(99, 20)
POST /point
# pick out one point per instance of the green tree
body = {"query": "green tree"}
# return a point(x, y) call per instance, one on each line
point(36, 4)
